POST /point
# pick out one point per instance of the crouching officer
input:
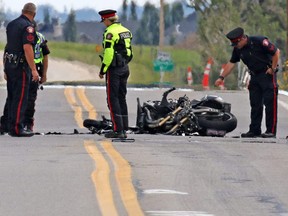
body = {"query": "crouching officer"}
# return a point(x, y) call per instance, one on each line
point(19, 66)
point(41, 52)
point(261, 57)
point(116, 56)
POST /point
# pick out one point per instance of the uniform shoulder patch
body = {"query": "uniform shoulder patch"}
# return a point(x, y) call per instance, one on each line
point(109, 36)
point(30, 37)
point(125, 35)
point(30, 29)
point(265, 42)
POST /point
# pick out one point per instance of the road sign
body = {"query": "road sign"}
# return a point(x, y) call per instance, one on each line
point(163, 63)
point(163, 66)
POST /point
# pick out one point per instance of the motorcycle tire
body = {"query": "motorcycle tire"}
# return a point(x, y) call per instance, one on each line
point(96, 124)
point(226, 122)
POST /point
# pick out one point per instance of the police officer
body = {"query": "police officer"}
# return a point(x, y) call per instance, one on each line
point(261, 57)
point(19, 66)
point(41, 52)
point(116, 56)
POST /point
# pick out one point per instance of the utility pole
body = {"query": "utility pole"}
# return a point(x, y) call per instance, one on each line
point(162, 25)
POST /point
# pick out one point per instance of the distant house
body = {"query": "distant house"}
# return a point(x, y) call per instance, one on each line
point(90, 31)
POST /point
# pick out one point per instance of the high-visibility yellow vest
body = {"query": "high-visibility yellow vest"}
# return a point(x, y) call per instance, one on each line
point(38, 54)
point(116, 39)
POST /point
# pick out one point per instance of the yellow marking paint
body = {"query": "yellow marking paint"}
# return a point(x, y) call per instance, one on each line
point(101, 180)
point(124, 181)
point(86, 103)
point(70, 97)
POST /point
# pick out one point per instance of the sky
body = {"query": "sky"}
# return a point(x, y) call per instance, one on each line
point(59, 5)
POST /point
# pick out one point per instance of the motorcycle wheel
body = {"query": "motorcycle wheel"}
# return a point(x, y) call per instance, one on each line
point(225, 122)
point(92, 124)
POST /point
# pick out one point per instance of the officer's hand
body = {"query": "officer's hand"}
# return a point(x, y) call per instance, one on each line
point(35, 76)
point(270, 71)
point(5, 76)
point(43, 79)
point(101, 76)
point(218, 82)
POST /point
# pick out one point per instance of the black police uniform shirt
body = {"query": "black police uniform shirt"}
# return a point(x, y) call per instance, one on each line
point(256, 54)
point(19, 32)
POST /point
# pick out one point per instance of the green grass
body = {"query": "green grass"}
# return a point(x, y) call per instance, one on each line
point(141, 67)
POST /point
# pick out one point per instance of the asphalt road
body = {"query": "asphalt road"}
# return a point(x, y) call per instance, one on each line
point(157, 175)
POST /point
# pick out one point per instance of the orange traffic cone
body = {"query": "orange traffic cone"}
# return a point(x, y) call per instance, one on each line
point(205, 80)
point(189, 76)
point(221, 86)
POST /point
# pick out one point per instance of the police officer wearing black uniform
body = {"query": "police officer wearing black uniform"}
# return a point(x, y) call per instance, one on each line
point(116, 56)
point(19, 66)
point(261, 57)
point(41, 52)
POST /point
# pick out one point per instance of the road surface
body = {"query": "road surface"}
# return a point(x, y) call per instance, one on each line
point(85, 174)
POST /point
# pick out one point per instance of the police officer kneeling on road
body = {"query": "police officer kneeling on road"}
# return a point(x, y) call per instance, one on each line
point(19, 66)
point(117, 54)
point(261, 57)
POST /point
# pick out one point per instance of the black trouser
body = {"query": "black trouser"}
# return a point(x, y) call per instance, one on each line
point(18, 80)
point(116, 89)
point(32, 96)
point(263, 90)
point(4, 118)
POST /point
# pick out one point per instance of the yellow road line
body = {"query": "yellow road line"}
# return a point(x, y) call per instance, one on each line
point(124, 182)
point(86, 103)
point(101, 180)
point(69, 94)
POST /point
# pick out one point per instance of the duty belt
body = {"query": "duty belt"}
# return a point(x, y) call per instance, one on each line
point(13, 58)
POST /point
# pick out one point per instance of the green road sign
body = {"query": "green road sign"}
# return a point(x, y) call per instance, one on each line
point(165, 66)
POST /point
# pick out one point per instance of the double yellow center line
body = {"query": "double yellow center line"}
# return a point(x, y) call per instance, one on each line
point(78, 111)
point(122, 174)
point(101, 175)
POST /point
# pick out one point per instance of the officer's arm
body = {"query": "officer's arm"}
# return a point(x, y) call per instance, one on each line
point(275, 59)
point(29, 55)
point(45, 68)
point(108, 53)
point(226, 71)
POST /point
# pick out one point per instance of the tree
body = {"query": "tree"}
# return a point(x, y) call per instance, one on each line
point(69, 30)
point(46, 16)
point(124, 10)
point(177, 12)
point(133, 14)
point(2, 12)
point(217, 17)
point(148, 32)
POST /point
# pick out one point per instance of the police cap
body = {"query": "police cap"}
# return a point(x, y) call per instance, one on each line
point(235, 35)
point(107, 14)
point(29, 7)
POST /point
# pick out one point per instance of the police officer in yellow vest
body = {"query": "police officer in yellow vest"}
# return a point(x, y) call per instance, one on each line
point(116, 56)
point(41, 52)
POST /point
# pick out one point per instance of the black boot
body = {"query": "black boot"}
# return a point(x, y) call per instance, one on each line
point(116, 134)
point(250, 134)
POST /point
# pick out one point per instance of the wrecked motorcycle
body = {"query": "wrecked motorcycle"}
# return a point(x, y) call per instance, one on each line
point(209, 116)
